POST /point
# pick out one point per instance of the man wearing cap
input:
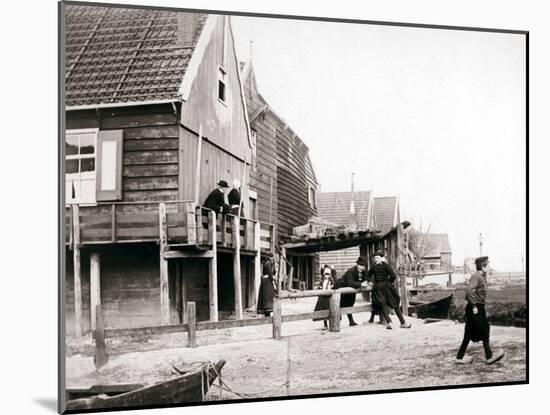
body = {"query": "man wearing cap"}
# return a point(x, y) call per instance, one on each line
point(216, 199)
point(384, 295)
point(353, 277)
point(477, 327)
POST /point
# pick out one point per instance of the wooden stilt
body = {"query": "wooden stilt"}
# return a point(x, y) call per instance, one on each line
point(257, 264)
point(164, 297)
point(237, 267)
point(334, 313)
point(95, 286)
point(192, 324)
point(179, 293)
point(100, 356)
point(277, 318)
point(213, 269)
point(76, 273)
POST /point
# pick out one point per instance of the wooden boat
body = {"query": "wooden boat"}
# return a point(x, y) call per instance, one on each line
point(190, 387)
point(436, 309)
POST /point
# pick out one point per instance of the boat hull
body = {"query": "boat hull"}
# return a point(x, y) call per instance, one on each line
point(436, 309)
point(188, 388)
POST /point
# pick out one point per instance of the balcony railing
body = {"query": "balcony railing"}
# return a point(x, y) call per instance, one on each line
point(184, 224)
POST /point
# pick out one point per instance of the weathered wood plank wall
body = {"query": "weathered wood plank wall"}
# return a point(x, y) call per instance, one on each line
point(223, 123)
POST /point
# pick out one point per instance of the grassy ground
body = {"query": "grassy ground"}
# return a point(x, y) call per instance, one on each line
point(365, 357)
point(506, 304)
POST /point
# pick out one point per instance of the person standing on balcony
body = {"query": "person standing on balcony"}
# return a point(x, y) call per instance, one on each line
point(477, 327)
point(216, 199)
point(234, 198)
point(384, 295)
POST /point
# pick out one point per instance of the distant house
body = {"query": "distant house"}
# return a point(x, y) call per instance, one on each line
point(145, 90)
point(282, 174)
point(438, 256)
point(359, 211)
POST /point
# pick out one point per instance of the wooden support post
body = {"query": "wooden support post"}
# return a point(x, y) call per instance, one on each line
point(257, 264)
point(192, 324)
point(334, 313)
point(237, 268)
point(179, 293)
point(288, 366)
point(198, 225)
point(246, 234)
point(76, 272)
point(191, 223)
point(113, 223)
point(450, 282)
point(224, 230)
point(95, 286)
point(164, 297)
point(283, 269)
point(198, 166)
point(100, 356)
point(404, 295)
point(277, 318)
point(213, 269)
point(290, 276)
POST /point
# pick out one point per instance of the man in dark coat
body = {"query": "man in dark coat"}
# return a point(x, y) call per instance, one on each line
point(234, 198)
point(216, 199)
point(384, 295)
point(477, 327)
point(353, 278)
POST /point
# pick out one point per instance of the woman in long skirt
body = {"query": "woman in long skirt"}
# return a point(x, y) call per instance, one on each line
point(267, 290)
point(323, 301)
point(477, 326)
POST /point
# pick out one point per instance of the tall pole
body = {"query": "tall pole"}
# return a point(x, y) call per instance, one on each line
point(480, 239)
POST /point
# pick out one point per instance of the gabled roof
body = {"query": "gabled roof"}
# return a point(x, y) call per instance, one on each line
point(385, 212)
point(335, 207)
point(122, 55)
point(436, 243)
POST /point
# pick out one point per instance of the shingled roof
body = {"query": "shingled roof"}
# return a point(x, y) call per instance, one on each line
point(121, 55)
point(436, 243)
point(335, 207)
point(384, 212)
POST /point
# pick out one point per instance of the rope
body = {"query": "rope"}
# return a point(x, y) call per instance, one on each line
point(205, 367)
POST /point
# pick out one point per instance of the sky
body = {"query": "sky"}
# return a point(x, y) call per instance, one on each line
point(434, 116)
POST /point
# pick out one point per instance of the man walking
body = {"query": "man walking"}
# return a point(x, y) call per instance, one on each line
point(477, 327)
point(353, 278)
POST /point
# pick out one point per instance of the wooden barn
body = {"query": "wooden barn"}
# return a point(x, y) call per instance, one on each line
point(155, 117)
point(357, 210)
point(282, 175)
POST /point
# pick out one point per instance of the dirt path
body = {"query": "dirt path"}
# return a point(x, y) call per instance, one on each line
point(366, 357)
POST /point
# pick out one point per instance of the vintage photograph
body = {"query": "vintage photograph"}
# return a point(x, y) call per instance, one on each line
point(260, 207)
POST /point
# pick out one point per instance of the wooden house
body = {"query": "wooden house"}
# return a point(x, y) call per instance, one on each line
point(359, 211)
point(155, 117)
point(282, 175)
point(437, 256)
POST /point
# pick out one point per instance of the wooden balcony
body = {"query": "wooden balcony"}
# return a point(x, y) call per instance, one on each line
point(184, 224)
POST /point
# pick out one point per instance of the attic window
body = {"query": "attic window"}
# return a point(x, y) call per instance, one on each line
point(222, 88)
point(311, 197)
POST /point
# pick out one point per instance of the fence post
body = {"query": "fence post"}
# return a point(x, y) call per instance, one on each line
point(100, 356)
point(334, 313)
point(192, 324)
point(277, 318)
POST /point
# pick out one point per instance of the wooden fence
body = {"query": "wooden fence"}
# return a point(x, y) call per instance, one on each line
point(333, 314)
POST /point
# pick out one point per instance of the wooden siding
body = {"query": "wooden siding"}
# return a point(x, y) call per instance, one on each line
point(130, 294)
point(224, 125)
point(292, 182)
point(150, 148)
point(263, 175)
point(342, 259)
point(216, 164)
